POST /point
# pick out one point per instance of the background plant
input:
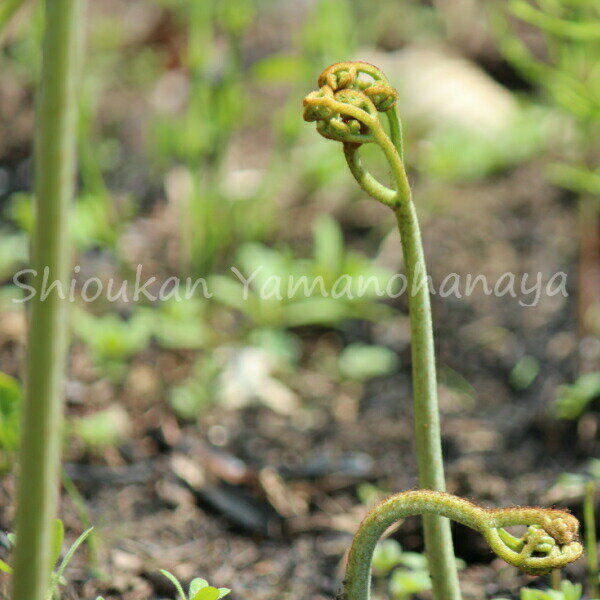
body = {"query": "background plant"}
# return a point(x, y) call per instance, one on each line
point(568, 78)
point(57, 578)
point(42, 420)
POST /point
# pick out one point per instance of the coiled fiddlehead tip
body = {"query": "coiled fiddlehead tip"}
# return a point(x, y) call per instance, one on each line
point(341, 87)
point(384, 97)
point(550, 541)
point(347, 115)
point(346, 109)
point(345, 74)
point(316, 105)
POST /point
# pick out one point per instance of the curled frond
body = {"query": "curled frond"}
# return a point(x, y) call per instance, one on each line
point(549, 542)
point(383, 96)
point(346, 109)
point(346, 74)
point(345, 116)
point(361, 76)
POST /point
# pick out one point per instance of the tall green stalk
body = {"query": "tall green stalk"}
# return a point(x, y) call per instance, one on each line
point(47, 337)
point(346, 109)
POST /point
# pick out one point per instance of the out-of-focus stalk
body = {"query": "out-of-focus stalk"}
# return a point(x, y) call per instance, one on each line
point(47, 337)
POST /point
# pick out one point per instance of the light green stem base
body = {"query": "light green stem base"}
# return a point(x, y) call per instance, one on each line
point(438, 535)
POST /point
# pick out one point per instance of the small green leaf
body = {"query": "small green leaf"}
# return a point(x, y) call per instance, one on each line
point(404, 582)
point(224, 592)
point(571, 591)
point(388, 555)
point(5, 568)
point(69, 555)
point(573, 400)
point(328, 246)
point(362, 362)
point(207, 593)
point(414, 561)
point(196, 585)
point(524, 372)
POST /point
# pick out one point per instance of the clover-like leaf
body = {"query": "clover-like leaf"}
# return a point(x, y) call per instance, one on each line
point(207, 593)
point(195, 585)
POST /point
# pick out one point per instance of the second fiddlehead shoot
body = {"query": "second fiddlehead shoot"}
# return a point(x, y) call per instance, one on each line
point(549, 542)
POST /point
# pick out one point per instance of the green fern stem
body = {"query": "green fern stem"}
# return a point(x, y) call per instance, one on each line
point(346, 109)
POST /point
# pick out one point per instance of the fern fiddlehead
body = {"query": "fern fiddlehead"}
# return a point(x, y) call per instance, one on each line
point(549, 542)
point(346, 108)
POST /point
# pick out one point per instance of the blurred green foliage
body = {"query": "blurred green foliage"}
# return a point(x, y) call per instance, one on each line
point(566, 72)
point(361, 361)
point(524, 372)
point(273, 288)
point(572, 400)
point(107, 427)
point(111, 340)
point(568, 591)
point(10, 418)
point(407, 571)
point(527, 135)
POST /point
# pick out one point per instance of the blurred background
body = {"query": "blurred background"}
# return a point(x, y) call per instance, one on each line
point(241, 439)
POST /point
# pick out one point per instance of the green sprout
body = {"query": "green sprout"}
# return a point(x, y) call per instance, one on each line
point(57, 579)
point(567, 591)
point(198, 590)
point(346, 109)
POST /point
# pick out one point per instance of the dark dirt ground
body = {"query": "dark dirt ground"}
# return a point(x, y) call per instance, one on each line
point(266, 502)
